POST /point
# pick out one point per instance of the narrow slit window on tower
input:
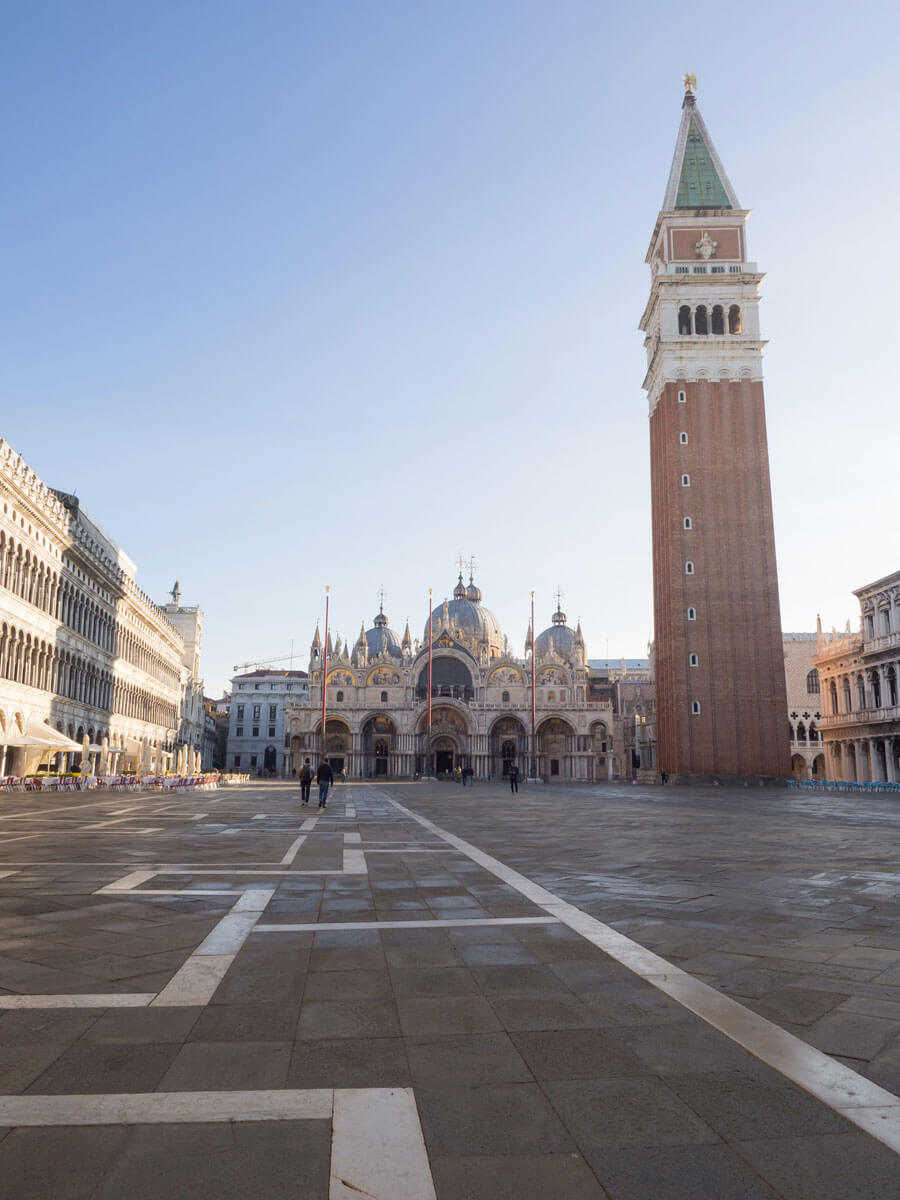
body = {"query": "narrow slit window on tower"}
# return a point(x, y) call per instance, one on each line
point(682, 397)
point(688, 523)
point(700, 322)
point(692, 614)
point(718, 319)
point(695, 708)
point(734, 319)
point(693, 660)
point(684, 319)
point(683, 439)
point(685, 481)
point(689, 568)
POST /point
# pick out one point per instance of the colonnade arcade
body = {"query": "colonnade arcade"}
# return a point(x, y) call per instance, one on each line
point(874, 759)
point(376, 747)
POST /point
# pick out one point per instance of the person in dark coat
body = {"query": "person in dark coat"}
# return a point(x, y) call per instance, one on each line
point(305, 780)
point(324, 778)
point(513, 777)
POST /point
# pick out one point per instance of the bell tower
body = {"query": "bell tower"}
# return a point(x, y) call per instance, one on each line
point(720, 685)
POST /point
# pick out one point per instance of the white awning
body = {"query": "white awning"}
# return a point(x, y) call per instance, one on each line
point(44, 735)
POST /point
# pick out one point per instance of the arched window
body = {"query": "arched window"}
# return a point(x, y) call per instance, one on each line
point(384, 697)
point(692, 614)
point(505, 698)
point(685, 481)
point(340, 696)
point(860, 691)
point(684, 319)
point(734, 319)
point(833, 690)
point(848, 703)
point(689, 568)
point(551, 697)
point(718, 319)
point(693, 660)
point(688, 523)
point(682, 397)
point(700, 322)
point(812, 682)
point(801, 732)
point(813, 732)
point(695, 708)
point(682, 439)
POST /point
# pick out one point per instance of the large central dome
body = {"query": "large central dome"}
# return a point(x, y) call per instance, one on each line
point(466, 613)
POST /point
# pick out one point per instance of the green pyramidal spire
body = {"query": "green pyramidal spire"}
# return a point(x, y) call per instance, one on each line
point(697, 178)
point(699, 185)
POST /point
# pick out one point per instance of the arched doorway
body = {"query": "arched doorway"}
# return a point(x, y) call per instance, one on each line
point(508, 745)
point(448, 745)
point(798, 766)
point(337, 744)
point(555, 740)
point(377, 744)
point(445, 752)
point(270, 760)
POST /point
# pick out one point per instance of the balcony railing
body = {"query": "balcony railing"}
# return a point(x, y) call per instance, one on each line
point(861, 716)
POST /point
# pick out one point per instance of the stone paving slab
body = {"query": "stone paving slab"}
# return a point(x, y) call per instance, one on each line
point(538, 1064)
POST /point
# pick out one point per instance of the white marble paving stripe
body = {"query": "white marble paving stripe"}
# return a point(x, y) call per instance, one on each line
point(308, 825)
point(119, 811)
point(112, 821)
point(127, 883)
point(6, 874)
point(43, 812)
point(355, 862)
point(437, 923)
point(862, 1102)
point(413, 850)
point(100, 1000)
point(155, 1108)
point(355, 838)
point(292, 850)
point(196, 981)
point(377, 1148)
point(349, 811)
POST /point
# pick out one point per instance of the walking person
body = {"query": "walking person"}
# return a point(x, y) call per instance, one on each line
point(305, 780)
point(324, 778)
point(513, 777)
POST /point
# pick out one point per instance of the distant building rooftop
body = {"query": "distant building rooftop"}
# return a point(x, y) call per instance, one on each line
point(266, 671)
point(615, 664)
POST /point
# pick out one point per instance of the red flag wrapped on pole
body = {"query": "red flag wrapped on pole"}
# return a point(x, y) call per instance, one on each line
point(325, 674)
point(430, 656)
point(533, 698)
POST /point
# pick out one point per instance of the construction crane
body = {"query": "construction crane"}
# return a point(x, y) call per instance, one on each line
point(263, 662)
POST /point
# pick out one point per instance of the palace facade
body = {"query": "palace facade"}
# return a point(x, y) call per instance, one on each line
point(859, 678)
point(377, 701)
point(91, 669)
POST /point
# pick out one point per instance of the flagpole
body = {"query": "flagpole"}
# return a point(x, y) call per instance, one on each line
point(533, 697)
point(430, 656)
point(325, 673)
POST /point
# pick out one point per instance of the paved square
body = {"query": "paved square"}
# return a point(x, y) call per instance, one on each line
point(430, 991)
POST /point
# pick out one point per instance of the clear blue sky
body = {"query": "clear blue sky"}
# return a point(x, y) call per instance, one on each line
point(296, 294)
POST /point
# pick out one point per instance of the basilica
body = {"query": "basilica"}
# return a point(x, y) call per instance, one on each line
point(382, 719)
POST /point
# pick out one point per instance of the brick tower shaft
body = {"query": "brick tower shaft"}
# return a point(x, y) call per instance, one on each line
point(721, 702)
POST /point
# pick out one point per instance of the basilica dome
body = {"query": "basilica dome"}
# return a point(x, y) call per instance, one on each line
point(381, 637)
point(560, 636)
point(466, 612)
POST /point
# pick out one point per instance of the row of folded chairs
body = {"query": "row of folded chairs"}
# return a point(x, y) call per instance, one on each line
point(842, 785)
point(114, 783)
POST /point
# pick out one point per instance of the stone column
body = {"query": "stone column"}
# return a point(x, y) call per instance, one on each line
point(890, 773)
